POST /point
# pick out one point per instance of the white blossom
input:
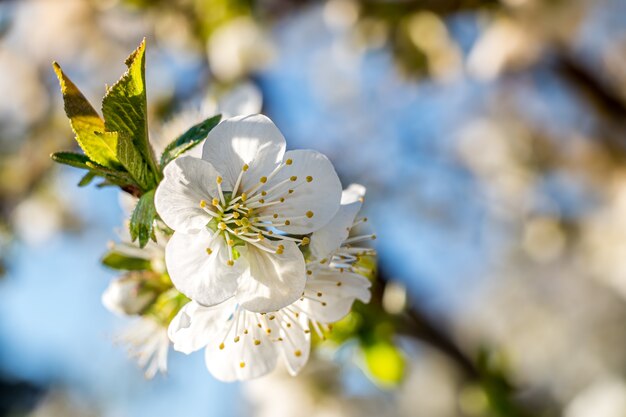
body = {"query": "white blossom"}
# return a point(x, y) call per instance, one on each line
point(242, 344)
point(148, 344)
point(125, 295)
point(235, 213)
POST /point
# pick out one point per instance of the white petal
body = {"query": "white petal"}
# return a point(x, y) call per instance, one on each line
point(272, 281)
point(236, 356)
point(195, 326)
point(329, 238)
point(321, 196)
point(207, 279)
point(336, 300)
point(296, 342)
point(252, 140)
point(187, 181)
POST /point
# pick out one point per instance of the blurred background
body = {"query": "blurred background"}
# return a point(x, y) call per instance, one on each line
point(491, 135)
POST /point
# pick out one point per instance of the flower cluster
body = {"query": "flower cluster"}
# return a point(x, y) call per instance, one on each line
point(243, 249)
point(260, 246)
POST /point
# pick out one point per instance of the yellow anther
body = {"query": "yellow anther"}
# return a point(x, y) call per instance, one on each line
point(245, 221)
point(309, 178)
point(209, 251)
point(323, 304)
point(297, 353)
point(289, 162)
point(221, 346)
point(305, 241)
point(288, 324)
point(269, 331)
point(244, 196)
point(275, 215)
point(287, 222)
point(269, 232)
point(290, 191)
point(202, 203)
point(293, 178)
point(364, 219)
point(323, 261)
point(245, 167)
point(215, 201)
point(319, 294)
point(257, 342)
point(263, 180)
point(373, 237)
point(309, 272)
point(236, 215)
point(222, 225)
point(261, 201)
point(258, 325)
point(282, 199)
point(242, 364)
point(236, 339)
point(250, 210)
point(280, 339)
point(231, 242)
point(238, 222)
point(260, 236)
point(272, 317)
point(218, 180)
point(230, 262)
point(307, 331)
point(339, 283)
point(263, 193)
point(279, 251)
point(236, 206)
point(309, 214)
point(245, 331)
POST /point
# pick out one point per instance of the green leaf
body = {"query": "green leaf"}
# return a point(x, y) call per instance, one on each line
point(132, 160)
point(189, 139)
point(142, 220)
point(125, 107)
point(87, 178)
point(118, 260)
point(85, 121)
point(76, 160)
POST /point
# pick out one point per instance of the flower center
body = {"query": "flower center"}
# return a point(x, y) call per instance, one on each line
point(253, 216)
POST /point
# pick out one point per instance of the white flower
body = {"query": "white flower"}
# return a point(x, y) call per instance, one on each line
point(236, 211)
point(242, 344)
point(148, 343)
point(125, 295)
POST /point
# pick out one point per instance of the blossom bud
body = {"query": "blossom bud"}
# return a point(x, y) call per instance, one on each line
point(128, 295)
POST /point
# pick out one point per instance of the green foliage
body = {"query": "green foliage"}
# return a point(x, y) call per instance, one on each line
point(117, 147)
point(111, 176)
point(125, 107)
point(142, 220)
point(133, 161)
point(167, 305)
point(86, 123)
point(117, 260)
point(189, 139)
